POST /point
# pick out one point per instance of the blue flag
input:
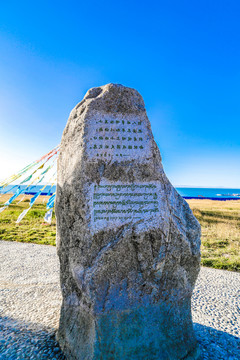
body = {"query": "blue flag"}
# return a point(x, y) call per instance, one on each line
point(18, 192)
point(51, 201)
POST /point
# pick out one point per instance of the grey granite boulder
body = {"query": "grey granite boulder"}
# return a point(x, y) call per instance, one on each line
point(128, 244)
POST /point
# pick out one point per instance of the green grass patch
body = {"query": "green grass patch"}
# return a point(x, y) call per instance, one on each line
point(31, 229)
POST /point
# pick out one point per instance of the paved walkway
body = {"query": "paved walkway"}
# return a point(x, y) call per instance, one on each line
point(30, 302)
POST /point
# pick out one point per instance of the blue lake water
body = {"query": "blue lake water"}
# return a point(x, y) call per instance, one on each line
point(209, 193)
point(31, 190)
point(186, 192)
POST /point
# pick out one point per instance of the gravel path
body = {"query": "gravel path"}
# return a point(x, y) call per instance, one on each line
point(30, 302)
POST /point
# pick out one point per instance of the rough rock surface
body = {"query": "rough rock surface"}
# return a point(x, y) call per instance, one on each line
point(128, 244)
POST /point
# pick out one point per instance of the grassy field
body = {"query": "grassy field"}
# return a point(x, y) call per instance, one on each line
point(220, 221)
point(32, 227)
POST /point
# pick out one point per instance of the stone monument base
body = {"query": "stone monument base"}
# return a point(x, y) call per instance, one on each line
point(140, 334)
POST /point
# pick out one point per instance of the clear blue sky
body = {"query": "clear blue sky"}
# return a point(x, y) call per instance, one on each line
point(182, 56)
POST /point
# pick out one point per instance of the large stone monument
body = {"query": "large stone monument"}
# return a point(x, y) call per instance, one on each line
point(129, 245)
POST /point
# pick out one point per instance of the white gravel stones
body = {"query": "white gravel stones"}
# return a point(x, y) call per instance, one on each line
point(216, 313)
point(30, 302)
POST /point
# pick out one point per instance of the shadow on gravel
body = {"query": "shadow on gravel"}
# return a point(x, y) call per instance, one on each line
point(21, 340)
point(216, 344)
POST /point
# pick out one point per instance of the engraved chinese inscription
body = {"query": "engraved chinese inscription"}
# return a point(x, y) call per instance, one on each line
point(118, 203)
point(115, 138)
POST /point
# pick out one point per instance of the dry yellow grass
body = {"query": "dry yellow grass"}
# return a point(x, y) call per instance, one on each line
point(220, 222)
point(27, 198)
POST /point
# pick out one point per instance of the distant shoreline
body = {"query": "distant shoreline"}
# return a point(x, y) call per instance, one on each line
point(200, 197)
point(210, 198)
point(216, 194)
